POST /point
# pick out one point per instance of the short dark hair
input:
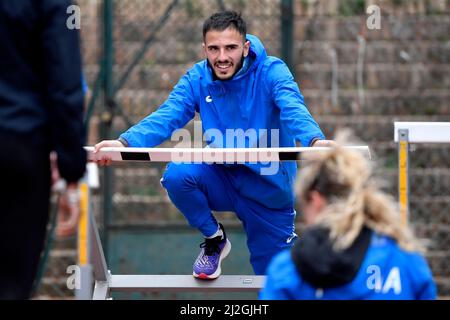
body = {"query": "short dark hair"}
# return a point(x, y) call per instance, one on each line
point(222, 20)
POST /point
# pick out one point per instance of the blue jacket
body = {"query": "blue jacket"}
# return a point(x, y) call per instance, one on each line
point(386, 272)
point(264, 96)
point(41, 96)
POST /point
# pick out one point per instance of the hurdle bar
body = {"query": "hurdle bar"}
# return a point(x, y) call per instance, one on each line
point(210, 155)
point(414, 132)
point(105, 282)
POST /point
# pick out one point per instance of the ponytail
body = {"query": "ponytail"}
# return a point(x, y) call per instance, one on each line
point(344, 178)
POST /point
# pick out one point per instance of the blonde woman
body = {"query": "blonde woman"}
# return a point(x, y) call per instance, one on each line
point(354, 246)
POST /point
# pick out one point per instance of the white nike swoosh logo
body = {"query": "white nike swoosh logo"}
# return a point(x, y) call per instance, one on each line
point(292, 237)
point(208, 99)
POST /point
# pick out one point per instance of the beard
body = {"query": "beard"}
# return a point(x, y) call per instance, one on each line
point(239, 67)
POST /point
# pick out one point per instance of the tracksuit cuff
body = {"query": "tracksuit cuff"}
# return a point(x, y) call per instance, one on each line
point(123, 141)
point(313, 141)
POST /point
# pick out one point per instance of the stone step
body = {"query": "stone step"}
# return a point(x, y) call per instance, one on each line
point(322, 28)
point(435, 182)
point(53, 283)
point(424, 183)
point(371, 129)
point(376, 76)
point(426, 209)
point(443, 287)
point(175, 51)
point(437, 234)
point(376, 51)
point(137, 104)
point(421, 156)
point(59, 261)
point(54, 289)
point(314, 75)
point(139, 181)
point(378, 102)
point(438, 261)
point(427, 161)
point(128, 208)
point(159, 76)
point(422, 210)
point(143, 209)
point(395, 28)
point(430, 209)
point(331, 8)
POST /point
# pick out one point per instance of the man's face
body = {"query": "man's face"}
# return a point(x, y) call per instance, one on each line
point(224, 51)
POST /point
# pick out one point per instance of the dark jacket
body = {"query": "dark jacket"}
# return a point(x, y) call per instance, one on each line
point(41, 97)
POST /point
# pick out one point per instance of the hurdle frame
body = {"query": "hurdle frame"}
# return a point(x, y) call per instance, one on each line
point(94, 269)
point(89, 182)
point(406, 133)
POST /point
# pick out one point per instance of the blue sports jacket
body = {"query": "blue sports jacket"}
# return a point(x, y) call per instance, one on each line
point(262, 97)
point(387, 272)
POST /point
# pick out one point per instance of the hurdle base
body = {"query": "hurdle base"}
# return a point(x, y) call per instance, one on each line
point(177, 283)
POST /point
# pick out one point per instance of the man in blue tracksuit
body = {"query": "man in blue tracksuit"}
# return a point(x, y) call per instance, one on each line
point(237, 87)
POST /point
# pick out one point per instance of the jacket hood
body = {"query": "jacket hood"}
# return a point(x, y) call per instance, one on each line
point(257, 51)
point(323, 267)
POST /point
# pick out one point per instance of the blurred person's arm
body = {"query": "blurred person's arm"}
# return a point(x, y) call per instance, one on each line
point(68, 211)
point(64, 94)
point(68, 201)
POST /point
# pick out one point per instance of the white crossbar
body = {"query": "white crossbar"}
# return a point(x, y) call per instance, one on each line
point(424, 132)
point(156, 283)
point(208, 155)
